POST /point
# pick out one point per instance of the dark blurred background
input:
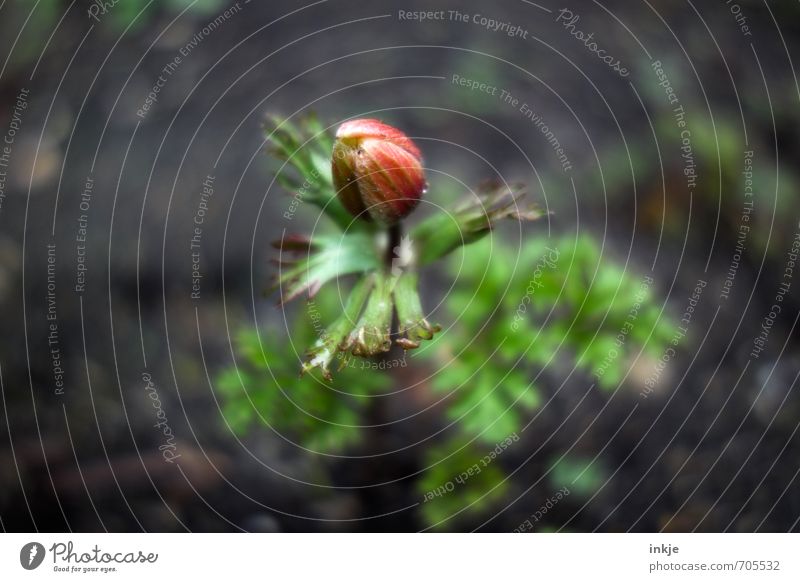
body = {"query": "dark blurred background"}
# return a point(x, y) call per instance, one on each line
point(92, 329)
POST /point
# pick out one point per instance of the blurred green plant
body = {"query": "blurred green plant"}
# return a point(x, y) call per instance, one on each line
point(514, 311)
point(138, 13)
point(582, 476)
point(40, 17)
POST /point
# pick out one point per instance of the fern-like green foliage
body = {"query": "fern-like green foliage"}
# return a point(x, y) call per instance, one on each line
point(263, 390)
point(460, 480)
point(516, 313)
point(514, 318)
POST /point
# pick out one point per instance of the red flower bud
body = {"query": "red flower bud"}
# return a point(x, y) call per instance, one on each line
point(377, 171)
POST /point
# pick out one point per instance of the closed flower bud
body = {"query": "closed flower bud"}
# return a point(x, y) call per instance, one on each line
point(377, 171)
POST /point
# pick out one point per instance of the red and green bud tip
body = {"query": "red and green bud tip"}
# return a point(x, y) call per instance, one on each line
point(377, 171)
